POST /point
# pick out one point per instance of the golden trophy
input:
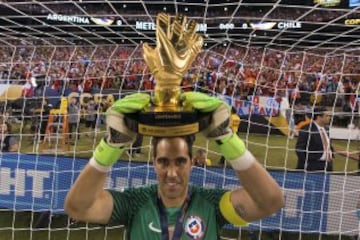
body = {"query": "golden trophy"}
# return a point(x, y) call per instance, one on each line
point(177, 45)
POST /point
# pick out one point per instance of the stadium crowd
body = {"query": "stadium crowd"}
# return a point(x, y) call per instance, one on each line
point(232, 70)
point(134, 11)
point(227, 69)
point(304, 77)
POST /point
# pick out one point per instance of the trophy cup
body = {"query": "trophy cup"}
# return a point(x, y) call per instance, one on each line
point(177, 45)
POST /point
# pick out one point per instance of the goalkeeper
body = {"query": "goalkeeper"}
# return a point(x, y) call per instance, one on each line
point(173, 209)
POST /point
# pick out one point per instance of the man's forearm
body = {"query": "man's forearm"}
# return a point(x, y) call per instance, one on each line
point(260, 195)
point(262, 189)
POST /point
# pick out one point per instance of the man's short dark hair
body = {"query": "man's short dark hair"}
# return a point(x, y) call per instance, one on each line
point(189, 139)
point(318, 111)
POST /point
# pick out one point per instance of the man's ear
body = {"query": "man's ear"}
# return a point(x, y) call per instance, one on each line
point(193, 161)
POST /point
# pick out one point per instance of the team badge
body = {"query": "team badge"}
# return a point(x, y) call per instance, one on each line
point(194, 227)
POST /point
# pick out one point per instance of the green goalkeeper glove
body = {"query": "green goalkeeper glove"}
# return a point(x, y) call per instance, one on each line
point(219, 126)
point(112, 146)
point(231, 146)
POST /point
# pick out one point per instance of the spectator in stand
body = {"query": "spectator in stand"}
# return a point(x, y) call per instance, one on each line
point(313, 146)
point(28, 88)
point(8, 142)
point(74, 118)
point(200, 159)
point(91, 116)
point(234, 120)
point(44, 112)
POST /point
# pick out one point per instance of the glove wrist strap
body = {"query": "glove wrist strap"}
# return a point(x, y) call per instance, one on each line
point(235, 152)
point(244, 162)
point(106, 155)
point(97, 166)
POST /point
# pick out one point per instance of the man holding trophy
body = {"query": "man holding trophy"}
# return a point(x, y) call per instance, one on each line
point(172, 209)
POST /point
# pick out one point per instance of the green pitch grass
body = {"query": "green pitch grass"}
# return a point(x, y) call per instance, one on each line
point(17, 226)
point(273, 151)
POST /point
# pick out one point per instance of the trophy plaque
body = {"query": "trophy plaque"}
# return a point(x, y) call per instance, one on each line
point(177, 45)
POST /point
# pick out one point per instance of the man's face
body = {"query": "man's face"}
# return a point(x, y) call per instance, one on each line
point(3, 128)
point(325, 118)
point(172, 166)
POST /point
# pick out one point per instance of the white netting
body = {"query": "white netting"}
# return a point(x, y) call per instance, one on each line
point(274, 62)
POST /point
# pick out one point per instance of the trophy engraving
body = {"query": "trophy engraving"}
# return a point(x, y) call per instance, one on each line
point(177, 45)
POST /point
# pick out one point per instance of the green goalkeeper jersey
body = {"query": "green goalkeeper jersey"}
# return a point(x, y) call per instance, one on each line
point(138, 210)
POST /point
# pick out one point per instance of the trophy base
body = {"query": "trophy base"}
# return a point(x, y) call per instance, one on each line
point(167, 123)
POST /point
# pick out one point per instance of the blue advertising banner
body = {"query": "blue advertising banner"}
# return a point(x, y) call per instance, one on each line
point(40, 183)
point(254, 105)
point(354, 3)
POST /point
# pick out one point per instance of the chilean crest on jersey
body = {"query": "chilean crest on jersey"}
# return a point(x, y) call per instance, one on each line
point(194, 227)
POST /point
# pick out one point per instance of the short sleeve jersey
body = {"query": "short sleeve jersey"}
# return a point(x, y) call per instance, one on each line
point(137, 209)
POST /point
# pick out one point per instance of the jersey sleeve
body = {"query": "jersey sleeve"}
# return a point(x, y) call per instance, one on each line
point(213, 196)
point(128, 202)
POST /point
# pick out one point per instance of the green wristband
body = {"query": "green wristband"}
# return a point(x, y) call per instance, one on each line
point(232, 147)
point(106, 155)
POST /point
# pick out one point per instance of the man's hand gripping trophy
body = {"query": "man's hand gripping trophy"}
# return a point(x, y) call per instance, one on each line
point(177, 46)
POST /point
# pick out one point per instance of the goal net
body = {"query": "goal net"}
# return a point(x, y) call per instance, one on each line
point(63, 63)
